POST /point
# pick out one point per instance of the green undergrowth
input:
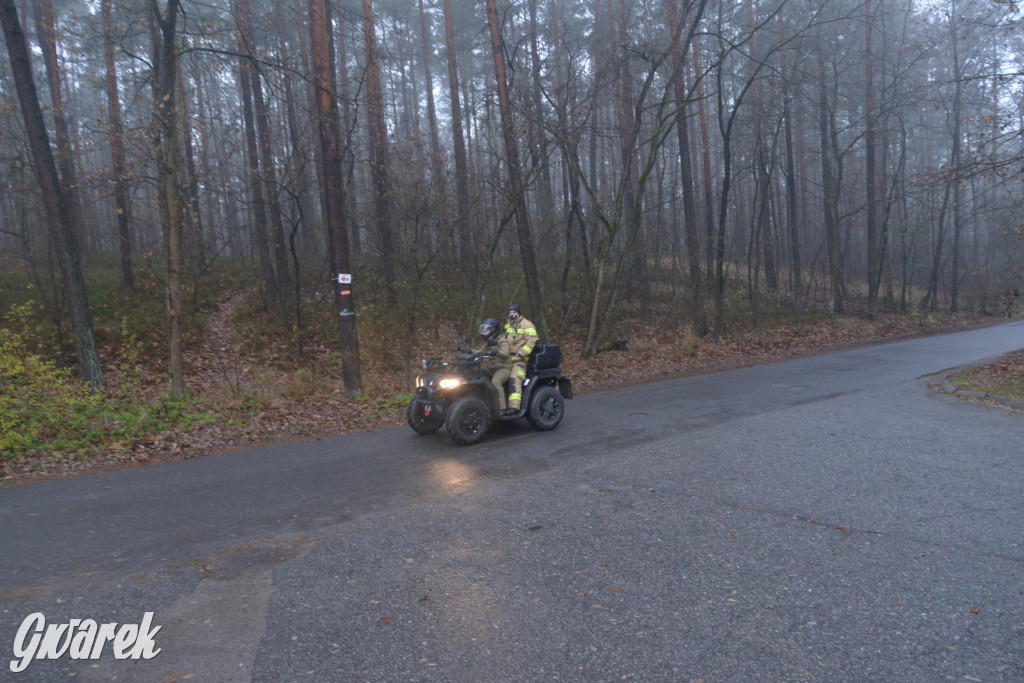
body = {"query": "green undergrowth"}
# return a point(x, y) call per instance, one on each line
point(45, 409)
point(116, 314)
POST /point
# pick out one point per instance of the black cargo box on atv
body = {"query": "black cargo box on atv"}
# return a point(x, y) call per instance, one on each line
point(545, 357)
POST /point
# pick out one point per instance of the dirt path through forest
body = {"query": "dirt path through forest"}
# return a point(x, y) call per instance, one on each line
point(217, 360)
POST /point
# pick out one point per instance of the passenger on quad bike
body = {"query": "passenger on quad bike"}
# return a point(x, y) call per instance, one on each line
point(522, 336)
point(465, 398)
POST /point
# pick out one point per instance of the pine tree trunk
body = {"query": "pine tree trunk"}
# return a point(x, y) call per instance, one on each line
point(870, 174)
point(55, 203)
point(299, 148)
point(538, 137)
point(46, 32)
point(830, 199)
point(705, 157)
point(270, 288)
point(267, 174)
point(193, 215)
point(954, 162)
point(635, 234)
point(378, 153)
point(693, 251)
point(168, 155)
point(793, 210)
point(515, 174)
point(763, 225)
point(437, 169)
point(334, 195)
point(116, 130)
point(458, 144)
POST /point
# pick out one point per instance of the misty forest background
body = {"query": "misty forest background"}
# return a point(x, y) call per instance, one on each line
point(701, 166)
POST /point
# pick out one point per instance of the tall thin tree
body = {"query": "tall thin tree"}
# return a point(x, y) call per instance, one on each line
point(515, 173)
point(793, 217)
point(246, 76)
point(870, 156)
point(829, 184)
point(54, 200)
point(268, 176)
point(163, 31)
point(378, 152)
point(46, 30)
point(334, 195)
point(679, 48)
point(115, 127)
point(458, 141)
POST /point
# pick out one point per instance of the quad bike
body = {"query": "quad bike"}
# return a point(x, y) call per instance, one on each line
point(459, 395)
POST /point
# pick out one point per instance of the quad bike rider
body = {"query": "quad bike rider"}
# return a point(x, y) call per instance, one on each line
point(501, 361)
point(467, 398)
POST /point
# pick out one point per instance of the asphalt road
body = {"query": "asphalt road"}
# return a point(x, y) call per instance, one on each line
point(824, 519)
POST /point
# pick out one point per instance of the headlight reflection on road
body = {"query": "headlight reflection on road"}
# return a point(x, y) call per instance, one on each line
point(452, 474)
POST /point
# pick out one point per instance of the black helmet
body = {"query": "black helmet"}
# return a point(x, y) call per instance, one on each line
point(514, 307)
point(489, 330)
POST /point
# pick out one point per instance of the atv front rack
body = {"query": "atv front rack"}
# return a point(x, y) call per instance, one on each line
point(429, 364)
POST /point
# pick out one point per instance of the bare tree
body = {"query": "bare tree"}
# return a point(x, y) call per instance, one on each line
point(46, 22)
point(54, 199)
point(870, 149)
point(163, 29)
point(829, 182)
point(458, 141)
point(435, 139)
point(517, 190)
point(683, 100)
point(378, 153)
point(115, 126)
point(793, 209)
point(257, 188)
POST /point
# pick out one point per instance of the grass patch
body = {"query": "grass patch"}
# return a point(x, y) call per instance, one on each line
point(1004, 377)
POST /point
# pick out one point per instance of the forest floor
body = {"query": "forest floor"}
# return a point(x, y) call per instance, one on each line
point(257, 400)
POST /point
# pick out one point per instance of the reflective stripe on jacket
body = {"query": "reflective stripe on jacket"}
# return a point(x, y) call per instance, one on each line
point(522, 336)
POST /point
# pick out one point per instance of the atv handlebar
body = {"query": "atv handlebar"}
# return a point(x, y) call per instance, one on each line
point(470, 355)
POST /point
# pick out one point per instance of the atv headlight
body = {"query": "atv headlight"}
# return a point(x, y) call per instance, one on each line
point(449, 383)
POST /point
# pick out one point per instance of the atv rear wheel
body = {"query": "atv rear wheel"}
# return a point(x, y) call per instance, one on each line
point(546, 409)
point(421, 423)
point(468, 420)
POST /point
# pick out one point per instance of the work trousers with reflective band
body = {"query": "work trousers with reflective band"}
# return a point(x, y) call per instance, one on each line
point(518, 375)
point(500, 381)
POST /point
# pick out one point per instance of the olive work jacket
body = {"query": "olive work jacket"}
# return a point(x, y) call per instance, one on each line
point(503, 356)
point(522, 337)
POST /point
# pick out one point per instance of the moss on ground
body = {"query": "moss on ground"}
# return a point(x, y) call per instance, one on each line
point(1003, 377)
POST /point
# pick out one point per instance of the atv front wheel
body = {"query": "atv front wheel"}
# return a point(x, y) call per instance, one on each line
point(546, 409)
point(421, 423)
point(468, 420)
